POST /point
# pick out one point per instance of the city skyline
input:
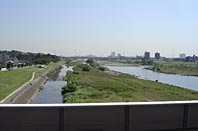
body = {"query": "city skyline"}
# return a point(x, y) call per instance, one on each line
point(72, 28)
point(113, 54)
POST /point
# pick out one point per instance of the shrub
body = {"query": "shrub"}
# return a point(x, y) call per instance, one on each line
point(76, 72)
point(102, 68)
point(70, 87)
point(85, 68)
point(90, 61)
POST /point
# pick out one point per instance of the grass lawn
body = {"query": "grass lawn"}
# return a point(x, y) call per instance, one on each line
point(105, 86)
point(182, 68)
point(40, 71)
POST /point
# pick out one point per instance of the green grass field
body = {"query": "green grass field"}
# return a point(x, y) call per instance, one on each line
point(106, 86)
point(182, 68)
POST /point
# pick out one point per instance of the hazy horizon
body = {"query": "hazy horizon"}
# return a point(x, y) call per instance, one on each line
point(82, 27)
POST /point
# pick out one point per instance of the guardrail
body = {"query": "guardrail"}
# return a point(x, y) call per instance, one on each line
point(137, 116)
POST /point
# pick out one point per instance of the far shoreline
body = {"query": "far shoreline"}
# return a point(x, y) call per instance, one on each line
point(106, 63)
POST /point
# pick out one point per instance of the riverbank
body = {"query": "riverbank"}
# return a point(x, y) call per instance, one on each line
point(11, 80)
point(108, 63)
point(179, 68)
point(51, 91)
point(51, 74)
point(96, 85)
point(14, 80)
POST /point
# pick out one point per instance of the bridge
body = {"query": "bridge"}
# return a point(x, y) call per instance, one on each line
point(135, 116)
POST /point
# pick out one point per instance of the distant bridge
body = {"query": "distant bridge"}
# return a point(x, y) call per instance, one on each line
point(141, 116)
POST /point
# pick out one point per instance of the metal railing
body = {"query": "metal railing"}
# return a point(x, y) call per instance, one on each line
point(135, 116)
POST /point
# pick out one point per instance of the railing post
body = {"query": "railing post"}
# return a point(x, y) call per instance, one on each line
point(127, 118)
point(185, 117)
point(61, 119)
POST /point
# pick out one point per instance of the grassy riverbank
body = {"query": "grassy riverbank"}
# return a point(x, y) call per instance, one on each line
point(181, 68)
point(95, 85)
point(11, 80)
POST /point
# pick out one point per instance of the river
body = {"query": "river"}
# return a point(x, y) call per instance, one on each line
point(51, 92)
point(189, 82)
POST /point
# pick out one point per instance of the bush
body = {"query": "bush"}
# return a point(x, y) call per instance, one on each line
point(102, 68)
point(76, 72)
point(90, 61)
point(70, 87)
point(85, 68)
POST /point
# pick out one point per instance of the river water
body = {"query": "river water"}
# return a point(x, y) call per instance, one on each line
point(51, 92)
point(189, 82)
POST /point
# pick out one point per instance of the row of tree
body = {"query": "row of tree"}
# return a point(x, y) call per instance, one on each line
point(20, 59)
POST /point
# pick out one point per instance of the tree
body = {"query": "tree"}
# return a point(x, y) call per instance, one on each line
point(90, 61)
point(85, 68)
point(9, 65)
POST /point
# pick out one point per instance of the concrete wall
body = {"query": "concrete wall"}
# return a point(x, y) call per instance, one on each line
point(100, 117)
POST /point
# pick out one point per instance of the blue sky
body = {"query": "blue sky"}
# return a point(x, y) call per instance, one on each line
point(80, 27)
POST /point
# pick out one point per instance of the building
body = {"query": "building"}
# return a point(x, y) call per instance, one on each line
point(113, 54)
point(147, 55)
point(119, 55)
point(182, 56)
point(157, 56)
point(192, 58)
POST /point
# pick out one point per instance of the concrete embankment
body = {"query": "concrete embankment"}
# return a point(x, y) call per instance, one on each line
point(26, 92)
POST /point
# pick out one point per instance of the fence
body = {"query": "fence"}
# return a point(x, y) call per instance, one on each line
point(141, 116)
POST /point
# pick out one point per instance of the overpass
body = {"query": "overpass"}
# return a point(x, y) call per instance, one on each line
point(135, 116)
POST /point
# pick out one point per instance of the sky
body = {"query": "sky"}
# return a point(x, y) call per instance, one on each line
point(82, 27)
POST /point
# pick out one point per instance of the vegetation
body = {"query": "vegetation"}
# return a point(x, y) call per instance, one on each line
point(20, 59)
point(97, 85)
point(40, 71)
point(134, 62)
point(68, 62)
point(9, 65)
point(44, 59)
point(181, 68)
point(53, 75)
point(127, 61)
point(73, 63)
point(90, 62)
point(147, 62)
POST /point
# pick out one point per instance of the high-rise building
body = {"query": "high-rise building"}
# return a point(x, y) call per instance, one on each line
point(182, 56)
point(157, 55)
point(147, 55)
point(113, 54)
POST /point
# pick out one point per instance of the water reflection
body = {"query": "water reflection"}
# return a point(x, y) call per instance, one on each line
point(51, 92)
point(189, 82)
